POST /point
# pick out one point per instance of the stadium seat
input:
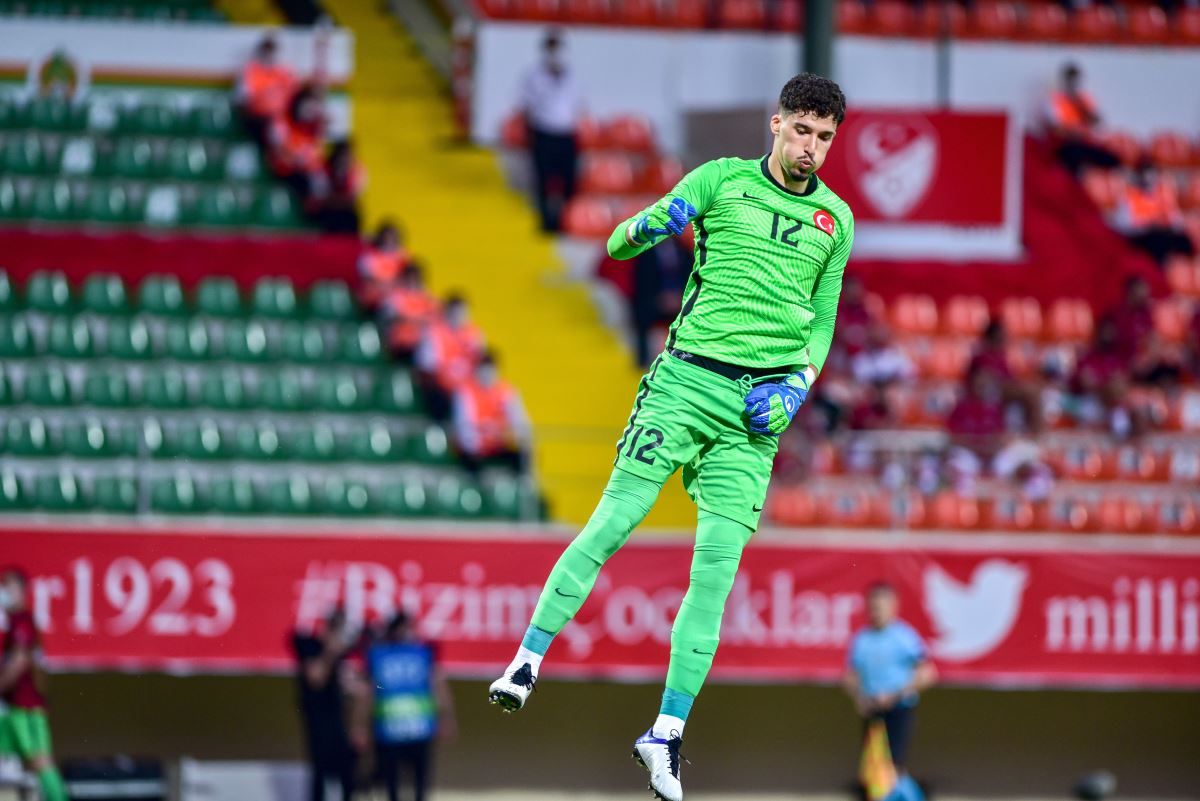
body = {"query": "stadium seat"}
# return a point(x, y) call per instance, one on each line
point(1146, 24)
point(93, 438)
point(586, 11)
point(118, 494)
point(850, 16)
point(1171, 319)
point(396, 394)
point(1183, 276)
point(430, 445)
point(282, 391)
point(247, 341)
point(637, 12)
point(8, 296)
point(948, 357)
point(187, 340)
point(70, 338)
point(588, 134)
point(1045, 22)
point(1095, 23)
point(503, 497)
point(340, 392)
point(331, 300)
point(60, 492)
point(1069, 320)
point(226, 389)
point(608, 173)
point(787, 16)
point(792, 506)
point(274, 297)
point(104, 293)
point(1104, 187)
point(361, 344)
point(202, 439)
point(1021, 317)
point(107, 388)
point(348, 497)
point(993, 20)
point(891, 18)
point(1189, 198)
point(914, 314)
point(48, 292)
point(165, 388)
point(181, 493)
point(46, 385)
point(629, 133)
point(660, 176)
point(30, 437)
point(1171, 148)
point(162, 294)
point(686, 13)
point(404, 499)
point(218, 296)
point(589, 218)
point(514, 134)
point(1187, 25)
point(936, 19)
point(292, 495)
point(953, 512)
point(16, 340)
point(742, 14)
point(235, 495)
point(302, 342)
point(1124, 144)
point(1132, 463)
point(315, 443)
point(964, 315)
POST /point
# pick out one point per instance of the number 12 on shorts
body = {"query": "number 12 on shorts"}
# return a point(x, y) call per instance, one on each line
point(654, 439)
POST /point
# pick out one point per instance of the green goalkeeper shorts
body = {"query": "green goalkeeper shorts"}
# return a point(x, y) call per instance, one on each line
point(29, 733)
point(690, 417)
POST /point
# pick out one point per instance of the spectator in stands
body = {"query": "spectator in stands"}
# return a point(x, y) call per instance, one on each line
point(1192, 345)
point(450, 348)
point(296, 148)
point(322, 680)
point(873, 411)
point(880, 361)
point(407, 310)
point(991, 356)
point(410, 705)
point(1133, 319)
point(1073, 122)
point(552, 104)
point(490, 424)
point(333, 201)
point(854, 318)
point(381, 264)
point(20, 674)
point(659, 275)
point(1148, 213)
point(887, 668)
point(264, 89)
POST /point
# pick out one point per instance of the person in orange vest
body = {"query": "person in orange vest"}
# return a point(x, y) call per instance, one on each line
point(1072, 120)
point(450, 348)
point(1148, 213)
point(333, 202)
point(381, 264)
point(407, 309)
point(490, 424)
point(296, 151)
point(264, 89)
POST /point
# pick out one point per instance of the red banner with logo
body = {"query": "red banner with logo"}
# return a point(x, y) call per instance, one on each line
point(1032, 614)
point(929, 183)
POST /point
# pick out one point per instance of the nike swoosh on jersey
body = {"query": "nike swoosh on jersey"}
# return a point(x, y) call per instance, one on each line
point(750, 196)
point(702, 653)
point(757, 508)
point(564, 594)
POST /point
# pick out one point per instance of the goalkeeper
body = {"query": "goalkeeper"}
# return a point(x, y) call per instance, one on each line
point(754, 330)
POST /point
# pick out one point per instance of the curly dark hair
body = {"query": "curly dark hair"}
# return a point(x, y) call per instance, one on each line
point(808, 92)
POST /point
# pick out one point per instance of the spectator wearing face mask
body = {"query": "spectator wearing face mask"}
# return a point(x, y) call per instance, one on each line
point(490, 424)
point(450, 348)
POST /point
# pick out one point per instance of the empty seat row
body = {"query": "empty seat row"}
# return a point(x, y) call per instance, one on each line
point(195, 339)
point(154, 11)
point(209, 438)
point(216, 296)
point(1065, 320)
point(212, 119)
point(623, 133)
point(134, 157)
point(194, 492)
point(171, 387)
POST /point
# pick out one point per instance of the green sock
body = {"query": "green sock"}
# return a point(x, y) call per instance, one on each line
point(697, 629)
point(624, 504)
point(53, 788)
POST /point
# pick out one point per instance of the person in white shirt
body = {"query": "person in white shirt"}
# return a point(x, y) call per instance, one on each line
point(551, 103)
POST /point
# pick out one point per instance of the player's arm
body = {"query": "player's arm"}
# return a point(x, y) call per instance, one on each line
point(826, 293)
point(690, 198)
point(20, 659)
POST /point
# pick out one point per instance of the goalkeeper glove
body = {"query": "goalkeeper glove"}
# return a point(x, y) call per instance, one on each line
point(771, 407)
point(679, 214)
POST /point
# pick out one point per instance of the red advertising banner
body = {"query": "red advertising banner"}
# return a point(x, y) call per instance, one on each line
point(929, 183)
point(1032, 613)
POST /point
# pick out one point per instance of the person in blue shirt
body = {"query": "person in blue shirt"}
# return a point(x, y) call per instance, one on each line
point(887, 667)
point(411, 706)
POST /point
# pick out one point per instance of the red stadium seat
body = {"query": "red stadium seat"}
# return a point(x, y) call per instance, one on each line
point(1189, 198)
point(914, 314)
point(948, 358)
point(1121, 515)
point(1070, 320)
point(994, 21)
point(587, 11)
point(1171, 319)
point(1125, 146)
point(637, 12)
point(1104, 187)
point(788, 16)
point(590, 218)
point(1171, 149)
point(630, 206)
point(632, 134)
point(660, 175)
point(1012, 513)
point(543, 10)
point(514, 133)
point(1147, 24)
point(742, 15)
point(1022, 317)
point(496, 9)
point(1140, 464)
point(607, 173)
point(934, 19)
point(792, 507)
point(851, 16)
point(949, 511)
point(1187, 25)
point(892, 18)
point(589, 135)
point(1045, 23)
point(686, 13)
point(1073, 515)
point(965, 315)
point(1178, 516)
point(1086, 462)
point(1095, 23)
point(1183, 276)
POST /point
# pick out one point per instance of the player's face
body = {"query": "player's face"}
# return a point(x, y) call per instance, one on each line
point(881, 608)
point(802, 142)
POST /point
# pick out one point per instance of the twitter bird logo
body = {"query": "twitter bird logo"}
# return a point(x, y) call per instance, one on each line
point(971, 619)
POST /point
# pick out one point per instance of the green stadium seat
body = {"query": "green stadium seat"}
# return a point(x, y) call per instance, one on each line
point(190, 160)
point(247, 341)
point(8, 297)
point(225, 389)
point(6, 391)
point(14, 492)
point(56, 201)
point(348, 498)
point(215, 119)
point(282, 391)
point(276, 208)
point(291, 495)
point(115, 203)
point(104, 293)
point(30, 437)
point(339, 392)
point(57, 114)
point(187, 340)
point(243, 163)
point(108, 388)
point(179, 494)
point(218, 296)
point(430, 445)
point(258, 441)
point(202, 439)
point(274, 297)
point(14, 114)
point(156, 440)
point(70, 338)
point(135, 158)
point(454, 497)
point(93, 439)
point(331, 300)
point(47, 385)
point(16, 341)
point(14, 204)
point(129, 339)
point(49, 292)
point(302, 342)
point(152, 119)
point(316, 443)
point(164, 206)
point(361, 344)
point(219, 206)
point(78, 157)
point(235, 495)
point(504, 498)
point(165, 388)
point(60, 492)
point(162, 294)
point(116, 494)
point(375, 444)
point(24, 154)
point(405, 499)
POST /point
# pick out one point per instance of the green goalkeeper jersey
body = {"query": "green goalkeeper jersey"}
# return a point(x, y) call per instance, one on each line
point(768, 266)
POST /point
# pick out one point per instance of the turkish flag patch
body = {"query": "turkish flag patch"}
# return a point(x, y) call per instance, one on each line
point(824, 220)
